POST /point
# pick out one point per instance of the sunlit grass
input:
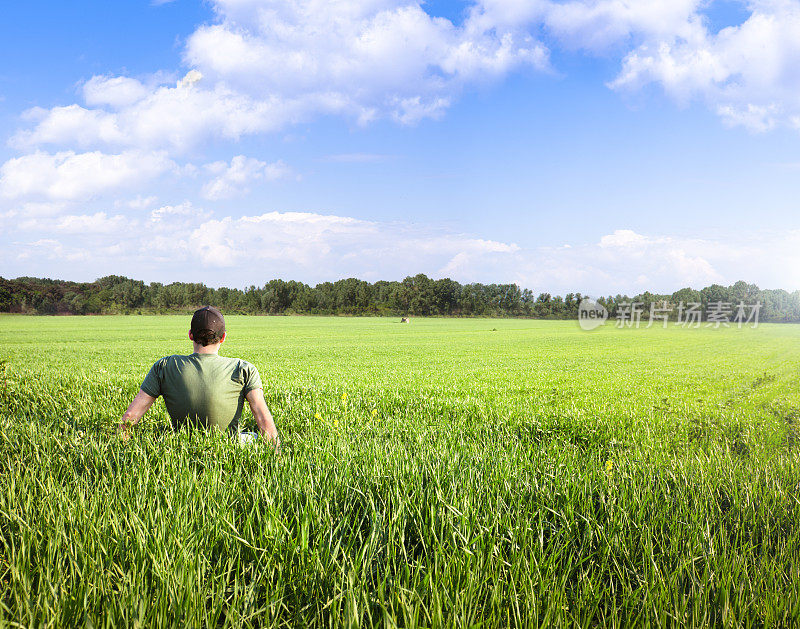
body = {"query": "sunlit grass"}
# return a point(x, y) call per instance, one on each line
point(435, 474)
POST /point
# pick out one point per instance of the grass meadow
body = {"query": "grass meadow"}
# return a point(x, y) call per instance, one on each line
point(447, 473)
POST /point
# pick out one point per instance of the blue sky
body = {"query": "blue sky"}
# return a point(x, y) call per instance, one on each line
point(584, 145)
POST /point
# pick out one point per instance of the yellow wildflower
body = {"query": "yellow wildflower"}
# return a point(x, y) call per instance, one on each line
point(374, 412)
point(609, 466)
point(344, 397)
point(335, 423)
point(318, 416)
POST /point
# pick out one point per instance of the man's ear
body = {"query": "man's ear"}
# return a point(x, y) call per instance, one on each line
point(224, 336)
point(191, 336)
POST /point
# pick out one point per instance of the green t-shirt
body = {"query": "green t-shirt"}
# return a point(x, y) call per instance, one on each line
point(203, 389)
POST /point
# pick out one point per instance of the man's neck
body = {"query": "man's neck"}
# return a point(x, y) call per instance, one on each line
point(207, 349)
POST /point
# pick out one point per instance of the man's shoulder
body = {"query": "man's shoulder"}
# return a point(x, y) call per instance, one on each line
point(243, 367)
point(172, 361)
point(238, 365)
point(172, 358)
point(187, 357)
point(234, 364)
point(240, 362)
point(246, 373)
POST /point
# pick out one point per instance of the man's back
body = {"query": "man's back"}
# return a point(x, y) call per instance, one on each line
point(203, 389)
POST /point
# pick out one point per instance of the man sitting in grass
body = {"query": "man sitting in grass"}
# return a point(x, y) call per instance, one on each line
point(204, 389)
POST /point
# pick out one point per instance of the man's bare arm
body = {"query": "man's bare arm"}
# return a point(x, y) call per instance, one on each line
point(136, 410)
point(266, 425)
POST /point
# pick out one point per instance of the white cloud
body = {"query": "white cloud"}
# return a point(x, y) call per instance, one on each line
point(115, 91)
point(137, 203)
point(300, 244)
point(470, 254)
point(98, 223)
point(265, 65)
point(174, 117)
point(167, 211)
point(178, 117)
point(596, 25)
point(628, 262)
point(73, 126)
point(52, 249)
point(236, 251)
point(278, 170)
point(192, 78)
point(324, 247)
point(623, 238)
point(313, 247)
point(747, 73)
point(233, 179)
point(372, 57)
point(69, 176)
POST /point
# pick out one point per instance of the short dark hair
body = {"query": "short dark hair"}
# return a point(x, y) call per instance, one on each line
point(206, 337)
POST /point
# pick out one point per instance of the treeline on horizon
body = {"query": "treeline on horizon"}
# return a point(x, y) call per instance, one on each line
point(418, 295)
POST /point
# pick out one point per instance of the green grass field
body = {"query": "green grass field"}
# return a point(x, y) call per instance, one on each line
point(445, 473)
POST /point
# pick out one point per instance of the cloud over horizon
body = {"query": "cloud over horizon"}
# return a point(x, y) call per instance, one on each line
point(315, 247)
